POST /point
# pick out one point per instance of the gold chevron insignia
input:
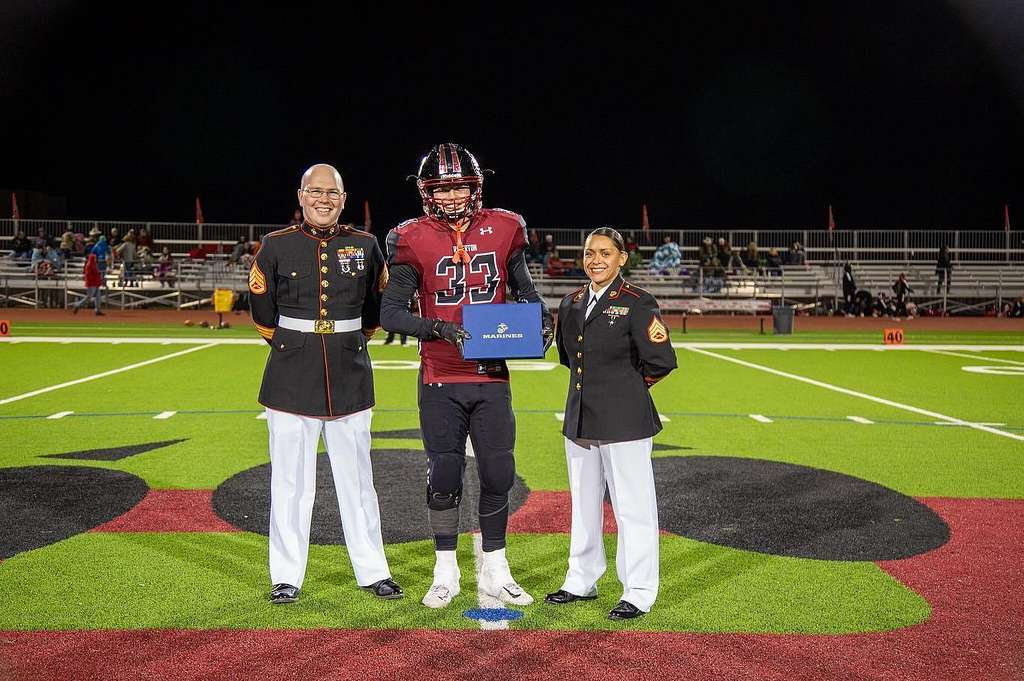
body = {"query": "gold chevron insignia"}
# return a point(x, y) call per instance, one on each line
point(257, 282)
point(656, 331)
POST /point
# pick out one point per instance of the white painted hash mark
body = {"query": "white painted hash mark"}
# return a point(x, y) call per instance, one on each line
point(60, 414)
point(165, 415)
point(761, 418)
point(860, 419)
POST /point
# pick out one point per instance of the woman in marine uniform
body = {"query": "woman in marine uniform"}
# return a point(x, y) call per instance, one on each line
point(611, 336)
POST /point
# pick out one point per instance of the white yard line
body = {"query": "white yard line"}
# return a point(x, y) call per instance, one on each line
point(104, 374)
point(761, 418)
point(860, 419)
point(977, 357)
point(863, 396)
point(980, 423)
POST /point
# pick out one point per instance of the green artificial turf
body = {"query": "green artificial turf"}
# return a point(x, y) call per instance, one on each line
point(184, 580)
point(100, 580)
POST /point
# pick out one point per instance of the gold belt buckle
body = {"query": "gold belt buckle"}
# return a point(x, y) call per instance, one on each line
point(323, 326)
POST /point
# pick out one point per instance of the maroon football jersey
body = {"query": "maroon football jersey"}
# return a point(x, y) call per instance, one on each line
point(428, 245)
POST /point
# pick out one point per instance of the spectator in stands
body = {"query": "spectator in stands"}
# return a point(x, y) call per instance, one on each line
point(534, 250)
point(795, 255)
point(863, 303)
point(145, 258)
point(773, 264)
point(901, 288)
point(67, 244)
point(727, 258)
point(944, 269)
point(78, 248)
point(115, 237)
point(21, 247)
point(296, 218)
point(45, 261)
point(42, 238)
point(103, 255)
point(165, 268)
point(708, 253)
point(883, 306)
point(550, 251)
point(849, 291)
point(128, 253)
point(751, 259)
point(633, 260)
point(93, 283)
point(667, 257)
point(238, 251)
point(248, 255)
point(144, 240)
point(1018, 308)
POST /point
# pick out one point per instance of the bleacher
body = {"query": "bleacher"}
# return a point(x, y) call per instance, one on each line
point(988, 268)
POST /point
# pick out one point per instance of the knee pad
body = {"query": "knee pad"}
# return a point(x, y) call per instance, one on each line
point(497, 472)
point(439, 501)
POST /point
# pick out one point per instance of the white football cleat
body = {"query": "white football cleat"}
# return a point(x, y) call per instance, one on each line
point(446, 581)
point(496, 580)
point(440, 595)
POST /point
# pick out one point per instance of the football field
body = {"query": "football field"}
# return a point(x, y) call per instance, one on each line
point(830, 508)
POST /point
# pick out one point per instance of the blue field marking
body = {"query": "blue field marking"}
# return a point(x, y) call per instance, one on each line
point(493, 614)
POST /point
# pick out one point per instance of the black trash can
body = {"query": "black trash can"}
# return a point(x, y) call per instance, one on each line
point(782, 320)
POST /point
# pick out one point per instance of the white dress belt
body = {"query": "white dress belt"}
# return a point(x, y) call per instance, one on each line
point(320, 325)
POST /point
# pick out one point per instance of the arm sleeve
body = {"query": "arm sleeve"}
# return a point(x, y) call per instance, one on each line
point(651, 339)
point(521, 284)
point(374, 289)
point(394, 310)
point(263, 292)
point(563, 354)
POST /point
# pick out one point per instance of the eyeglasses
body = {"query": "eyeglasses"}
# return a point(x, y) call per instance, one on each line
point(316, 193)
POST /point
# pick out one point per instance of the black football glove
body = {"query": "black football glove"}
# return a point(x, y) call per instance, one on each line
point(548, 332)
point(450, 331)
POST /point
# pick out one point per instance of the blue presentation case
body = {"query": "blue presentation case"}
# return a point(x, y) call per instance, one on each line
point(503, 331)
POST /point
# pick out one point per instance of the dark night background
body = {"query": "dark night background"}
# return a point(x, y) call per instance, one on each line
point(898, 114)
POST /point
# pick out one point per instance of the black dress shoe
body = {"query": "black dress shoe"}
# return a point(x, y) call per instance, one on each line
point(386, 588)
point(284, 593)
point(561, 597)
point(625, 611)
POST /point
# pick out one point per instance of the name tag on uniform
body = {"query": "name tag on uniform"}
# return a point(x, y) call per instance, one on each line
point(503, 331)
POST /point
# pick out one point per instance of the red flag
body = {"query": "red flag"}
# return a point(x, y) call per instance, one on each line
point(366, 215)
point(15, 215)
point(831, 219)
point(1006, 217)
point(199, 212)
point(645, 224)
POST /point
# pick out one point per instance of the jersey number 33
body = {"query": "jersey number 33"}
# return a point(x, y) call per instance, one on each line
point(482, 287)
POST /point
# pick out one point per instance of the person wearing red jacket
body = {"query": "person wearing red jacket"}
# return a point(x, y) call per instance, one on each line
point(93, 284)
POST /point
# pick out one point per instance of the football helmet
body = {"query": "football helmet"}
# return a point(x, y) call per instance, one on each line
point(450, 166)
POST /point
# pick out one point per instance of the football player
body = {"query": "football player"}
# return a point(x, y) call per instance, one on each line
point(460, 253)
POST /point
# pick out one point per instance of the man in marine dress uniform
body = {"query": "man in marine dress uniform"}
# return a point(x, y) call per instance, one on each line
point(460, 253)
point(315, 298)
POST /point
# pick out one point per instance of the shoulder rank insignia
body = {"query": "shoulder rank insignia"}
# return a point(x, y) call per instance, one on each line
point(656, 331)
point(257, 281)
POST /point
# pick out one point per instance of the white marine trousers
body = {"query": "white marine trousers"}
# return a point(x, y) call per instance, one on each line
point(625, 467)
point(293, 452)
